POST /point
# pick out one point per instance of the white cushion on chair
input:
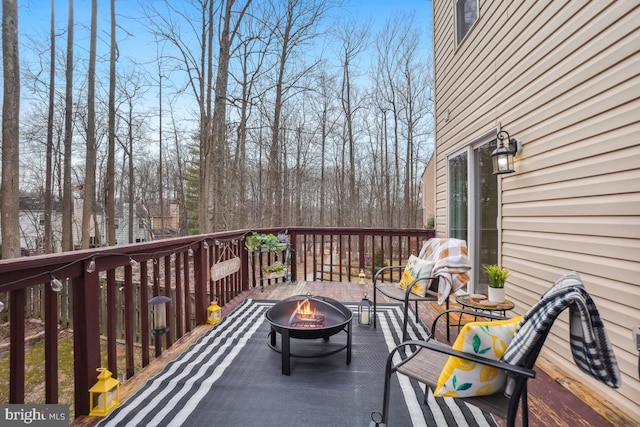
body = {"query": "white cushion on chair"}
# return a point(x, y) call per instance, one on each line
point(464, 378)
point(417, 268)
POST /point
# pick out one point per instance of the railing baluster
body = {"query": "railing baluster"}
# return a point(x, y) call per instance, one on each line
point(129, 320)
point(179, 302)
point(187, 293)
point(168, 292)
point(16, 352)
point(50, 344)
point(112, 351)
point(145, 333)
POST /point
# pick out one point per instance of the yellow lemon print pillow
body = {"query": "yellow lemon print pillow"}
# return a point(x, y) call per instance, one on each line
point(417, 268)
point(463, 378)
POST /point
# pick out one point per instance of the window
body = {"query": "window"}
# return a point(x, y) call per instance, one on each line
point(466, 15)
point(141, 223)
point(473, 207)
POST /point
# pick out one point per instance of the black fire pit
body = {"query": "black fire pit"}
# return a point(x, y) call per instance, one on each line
point(307, 317)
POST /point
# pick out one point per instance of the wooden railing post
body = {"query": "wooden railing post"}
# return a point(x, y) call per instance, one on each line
point(293, 255)
point(361, 248)
point(244, 266)
point(86, 341)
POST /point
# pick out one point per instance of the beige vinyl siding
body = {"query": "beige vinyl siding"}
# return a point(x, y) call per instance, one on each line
point(563, 78)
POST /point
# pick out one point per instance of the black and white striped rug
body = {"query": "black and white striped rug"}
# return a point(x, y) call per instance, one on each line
point(231, 377)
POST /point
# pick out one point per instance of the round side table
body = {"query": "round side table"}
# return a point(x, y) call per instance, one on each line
point(477, 305)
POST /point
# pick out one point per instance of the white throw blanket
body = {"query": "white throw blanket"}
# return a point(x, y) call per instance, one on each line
point(451, 263)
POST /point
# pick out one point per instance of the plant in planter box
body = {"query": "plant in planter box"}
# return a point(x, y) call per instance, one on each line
point(497, 277)
point(277, 269)
point(258, 241)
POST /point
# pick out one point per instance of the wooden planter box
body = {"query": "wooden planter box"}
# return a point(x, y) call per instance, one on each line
point(274, 275)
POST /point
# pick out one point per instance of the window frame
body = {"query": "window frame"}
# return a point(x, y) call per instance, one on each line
point(461, 33)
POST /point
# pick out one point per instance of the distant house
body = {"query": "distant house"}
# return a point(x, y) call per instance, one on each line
point(164, 222)
point(32, 225)
point(31, 222)
point(562, 78)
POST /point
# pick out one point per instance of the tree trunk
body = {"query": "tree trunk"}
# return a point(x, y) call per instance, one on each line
point(110, 201)
point(10, 132)
point(90, 169)
point(48, 192)
point(67, 207)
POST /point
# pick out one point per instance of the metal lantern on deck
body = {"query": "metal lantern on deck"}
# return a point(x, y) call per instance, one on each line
point(214, 313)
point(159, 312)
point(104, 395)
point(364, 311)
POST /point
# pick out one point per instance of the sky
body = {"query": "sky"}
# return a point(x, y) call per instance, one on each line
point(136, 43)
point(35, 15)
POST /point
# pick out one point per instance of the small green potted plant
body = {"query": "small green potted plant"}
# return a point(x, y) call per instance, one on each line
point(497, 277)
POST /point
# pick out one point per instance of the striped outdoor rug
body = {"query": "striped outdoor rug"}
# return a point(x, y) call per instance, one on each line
point(231, 377)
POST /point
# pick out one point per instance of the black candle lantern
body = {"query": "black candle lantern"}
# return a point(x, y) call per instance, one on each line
point(159, 313)
point(364, 311)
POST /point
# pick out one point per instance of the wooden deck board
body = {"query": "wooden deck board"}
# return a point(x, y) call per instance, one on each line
point(550, 404)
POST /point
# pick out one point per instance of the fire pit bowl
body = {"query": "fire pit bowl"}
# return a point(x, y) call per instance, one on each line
point(307, 317)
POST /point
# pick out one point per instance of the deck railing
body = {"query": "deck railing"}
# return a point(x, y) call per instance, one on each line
point(102, 294)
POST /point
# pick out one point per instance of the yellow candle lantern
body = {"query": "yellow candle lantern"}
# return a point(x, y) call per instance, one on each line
point(214, 313)
point(104, 395)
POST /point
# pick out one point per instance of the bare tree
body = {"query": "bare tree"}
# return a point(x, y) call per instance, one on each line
point(231, 21)
point(67, 208)
point(110, 199)
point(48, 194)
point(10, 131)
point(90, 159)
point(131, 86)
point(353, 43)
point(296, 25)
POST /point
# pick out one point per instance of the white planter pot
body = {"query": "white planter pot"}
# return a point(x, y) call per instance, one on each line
point(495, 294)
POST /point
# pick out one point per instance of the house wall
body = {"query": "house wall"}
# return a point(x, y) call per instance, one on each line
point(563, 78)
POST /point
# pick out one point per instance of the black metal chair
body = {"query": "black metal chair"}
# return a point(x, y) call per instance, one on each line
point(393, 291)
point(424, 360)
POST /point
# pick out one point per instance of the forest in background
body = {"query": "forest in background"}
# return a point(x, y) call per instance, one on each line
point(253, 113)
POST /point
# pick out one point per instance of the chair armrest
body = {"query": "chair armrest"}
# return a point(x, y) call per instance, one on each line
point(384, 269)
point(441, 348)
point(412, 284)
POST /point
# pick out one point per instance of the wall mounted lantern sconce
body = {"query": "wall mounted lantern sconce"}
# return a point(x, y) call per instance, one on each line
point(502, 156)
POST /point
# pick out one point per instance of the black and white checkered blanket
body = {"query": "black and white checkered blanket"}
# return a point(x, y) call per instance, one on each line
point(589, 344)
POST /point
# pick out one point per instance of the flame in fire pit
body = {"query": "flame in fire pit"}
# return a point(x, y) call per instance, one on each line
point(304, 310)
point(306, 316)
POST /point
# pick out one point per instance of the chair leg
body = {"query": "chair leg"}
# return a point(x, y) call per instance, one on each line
point(448, 324)
point(374, 306)
point(405, 322)
point(525, 407)
point(387, 389)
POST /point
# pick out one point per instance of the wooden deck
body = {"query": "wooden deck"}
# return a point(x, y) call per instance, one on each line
point(553, 398)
